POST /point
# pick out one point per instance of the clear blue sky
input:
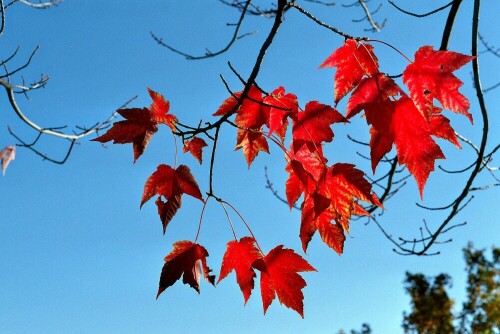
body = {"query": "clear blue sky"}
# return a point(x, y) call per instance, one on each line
point(77, 254)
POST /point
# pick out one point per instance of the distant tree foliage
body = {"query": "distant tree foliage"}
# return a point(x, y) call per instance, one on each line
point(432, 308)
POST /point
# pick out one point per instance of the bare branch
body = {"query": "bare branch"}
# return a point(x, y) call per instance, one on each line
point(210, 54)
point(421, 15)
point(41, 5)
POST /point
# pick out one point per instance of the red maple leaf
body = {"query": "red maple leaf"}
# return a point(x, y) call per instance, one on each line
point(189, 260)
point(250, 114)
point(195, 147)
point(400, 123)
point(6, 156)
point(239, 257)
point(171, 184)
point(279, 276)
point(430, 77)
point(228, 105)
point(280, 106)
point(440, 127)
point(313, 124)
point(332, 234)
point(415, 147)
point(167, 210)
point(252, 142)
point(140, 124)
point(306, 168)
point(353, 61)
point(375, 89)
point(336, 199)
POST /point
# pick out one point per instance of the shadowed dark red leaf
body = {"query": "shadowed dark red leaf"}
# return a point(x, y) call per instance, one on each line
point(189, 260)
point(239, 257)
point(167, 210)
point(279, 276)
point(171, 184)
point(139, 124)
point(195, 147)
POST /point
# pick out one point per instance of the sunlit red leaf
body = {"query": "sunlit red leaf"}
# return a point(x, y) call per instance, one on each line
point(139, 124)
point(329, 230)
point(415, 147)
point(189, 260)
point(306, 168)
point(335, 201)
point(252, 114)
point(430, 77)
point(440, 127)
point(345, 185)
point(252, 142)
point(313, 124)
point(280, 106)
point(239, 257)
point(228, 105)
point(353, 61)
point(375, 89)
point(279, 276)
point(6, 156)
point(195, 147)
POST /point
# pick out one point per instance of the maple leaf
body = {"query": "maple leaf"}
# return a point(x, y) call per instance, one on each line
point(280, 107)
point(440, 127)
point(171, 184)
point(195, 147)
point(344, 186)
point(279, 276)
point(159, 110)
point(140, 124)
point(189, 260)
point(331, 234)
point(430, 77)
point(375, 89)
point(239, 257)
point(353, 61)
point(313, 124)
point(251, 113)
point(415, 147)
point(6, 156)
point(228, 105)
point(400, 123)
point(306, 168)
point(252, 142)
point(167, 210)
point(336, 199)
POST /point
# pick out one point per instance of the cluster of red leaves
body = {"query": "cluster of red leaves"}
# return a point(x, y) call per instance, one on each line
point(278, 270)
point(331, 194)
point(408, 122)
